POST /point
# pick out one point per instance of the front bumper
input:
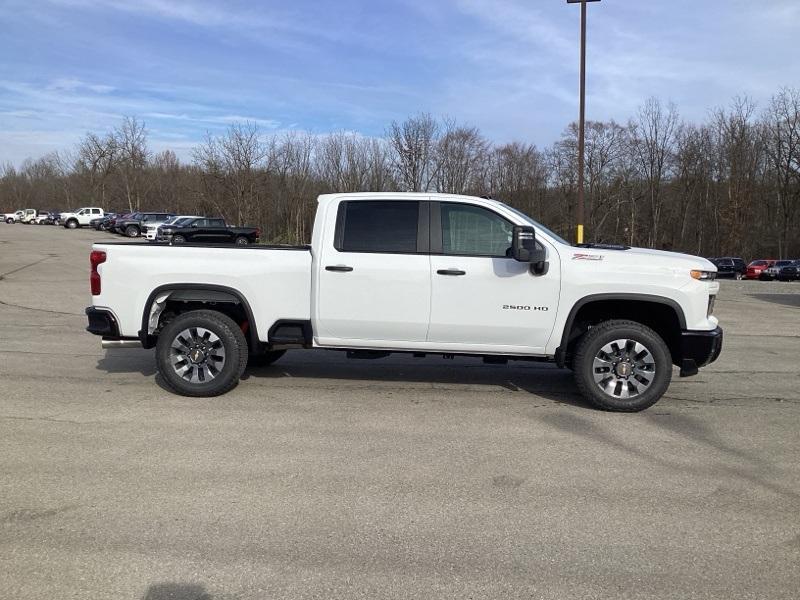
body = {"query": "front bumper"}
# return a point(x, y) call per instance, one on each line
point(699, 349)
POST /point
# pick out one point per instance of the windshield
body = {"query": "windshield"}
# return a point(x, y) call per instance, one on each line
point(538, 225)
point(182, 221)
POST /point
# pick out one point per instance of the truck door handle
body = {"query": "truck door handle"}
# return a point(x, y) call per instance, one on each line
point(341, 268)
point(451, 272)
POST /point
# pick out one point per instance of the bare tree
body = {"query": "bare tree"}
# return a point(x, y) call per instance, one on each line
point(130, 143)
point(230, 168)
point(459, 156)
point(414, 146)
point(739, 156)
point(654, 137)
point(96, 160)
point(782, 145)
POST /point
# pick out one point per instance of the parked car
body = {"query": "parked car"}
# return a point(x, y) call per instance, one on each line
point(208, 231)
point(13, 217)
point(151, 231)
point(755, 268)
point(80, 217)
point(52, 218)
point(133, 225)
point(790, 272)
point(771, 272)
point(42, 217)
point(730, 267)
point(29, 216)
point(111, 225)
point(102, 223)
point(422, 273)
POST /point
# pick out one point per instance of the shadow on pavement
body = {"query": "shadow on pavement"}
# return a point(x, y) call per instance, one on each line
point(734, 462)
point(176, 591)
point(128, 361)
point(543, 380)
point(784, 299)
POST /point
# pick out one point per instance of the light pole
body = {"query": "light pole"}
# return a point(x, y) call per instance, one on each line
point(582, 120)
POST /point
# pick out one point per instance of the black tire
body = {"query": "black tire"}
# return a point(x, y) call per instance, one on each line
point(242, 241)
point(264, 359)
point(178, 239)
point(132, 231)
point(592, 345)
point(232, 341)
point(71, 224)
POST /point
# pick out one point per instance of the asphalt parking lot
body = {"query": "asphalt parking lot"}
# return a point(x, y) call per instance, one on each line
point(321, 477)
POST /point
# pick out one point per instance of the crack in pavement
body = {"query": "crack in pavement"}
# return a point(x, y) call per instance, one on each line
point(45, 310)
point(41, 260)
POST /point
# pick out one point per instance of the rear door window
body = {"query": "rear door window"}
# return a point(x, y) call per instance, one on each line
point(378, 226)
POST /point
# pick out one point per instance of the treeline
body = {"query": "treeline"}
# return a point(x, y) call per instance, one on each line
point(729, 186)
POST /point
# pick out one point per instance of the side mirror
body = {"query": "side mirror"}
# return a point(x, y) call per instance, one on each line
point(524, 249)
point(523, 243)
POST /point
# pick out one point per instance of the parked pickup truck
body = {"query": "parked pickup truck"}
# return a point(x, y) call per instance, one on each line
point(413, 273)
point(80, 217)
point(207, 231)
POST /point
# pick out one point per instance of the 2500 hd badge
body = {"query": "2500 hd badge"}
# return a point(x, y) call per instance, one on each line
point(518, 307)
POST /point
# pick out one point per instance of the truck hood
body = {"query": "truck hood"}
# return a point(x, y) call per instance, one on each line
point(644, 259)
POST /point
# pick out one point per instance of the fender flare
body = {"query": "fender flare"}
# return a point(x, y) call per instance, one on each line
point(147, 340)
point(562, 349)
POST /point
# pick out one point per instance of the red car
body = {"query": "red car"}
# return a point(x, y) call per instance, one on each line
point(754, 268)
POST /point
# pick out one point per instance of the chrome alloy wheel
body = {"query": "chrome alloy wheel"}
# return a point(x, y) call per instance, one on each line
point(197, 355)
point(624, 368)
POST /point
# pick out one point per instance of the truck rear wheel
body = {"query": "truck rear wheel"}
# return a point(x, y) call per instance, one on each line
point(201, 353)
point(242, 241)
point(622, 366)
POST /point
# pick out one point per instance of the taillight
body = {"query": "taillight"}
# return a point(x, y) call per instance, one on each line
point(97, 257)
point(258, 233)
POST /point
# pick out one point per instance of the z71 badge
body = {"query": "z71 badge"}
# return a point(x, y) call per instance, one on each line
point(579, 256)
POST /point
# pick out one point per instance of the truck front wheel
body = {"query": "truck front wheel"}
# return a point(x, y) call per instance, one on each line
point(622, 366)
point(201, 353)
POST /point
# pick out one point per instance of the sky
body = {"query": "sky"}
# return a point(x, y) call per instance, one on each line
point(509, 67)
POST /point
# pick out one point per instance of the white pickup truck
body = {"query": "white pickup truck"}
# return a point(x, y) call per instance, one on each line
point(80, 217)
point(414, 273)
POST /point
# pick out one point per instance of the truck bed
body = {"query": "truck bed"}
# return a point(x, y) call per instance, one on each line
point(276, 284)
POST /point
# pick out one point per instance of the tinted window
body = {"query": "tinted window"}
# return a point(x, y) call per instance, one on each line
point(216, 223)
point(379, 226)
point(474, 231)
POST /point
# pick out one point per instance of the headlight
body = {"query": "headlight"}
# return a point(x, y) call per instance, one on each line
point(703, 275)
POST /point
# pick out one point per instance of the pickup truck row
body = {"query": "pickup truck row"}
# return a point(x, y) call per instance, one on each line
point(419, 274)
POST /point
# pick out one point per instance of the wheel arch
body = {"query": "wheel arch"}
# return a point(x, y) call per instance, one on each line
point(664, 315)
point(199, 293)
